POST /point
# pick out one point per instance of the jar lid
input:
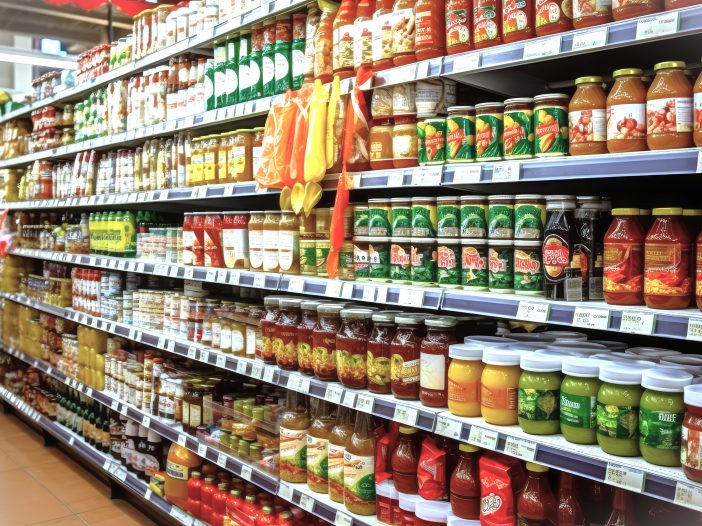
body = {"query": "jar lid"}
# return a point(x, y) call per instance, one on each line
point(468, 241)
point(539, 337)
point(468, 448)
point(272, 301)
point(330, 309)
point(448, 241)
point(540, 363)
point(433, 511)
point(538, 468)
point(489, 340)
point(528, 243)
point(356, 314)
point(519, 100)
point(411, 319)
point(549, 96)
point(529, 197)
point(394, 200)
point(627, 72)
point(563, 204)
point(441, 321)
point(387, 489)
point(360, 207)
point(400, 239)
point(692, 212)
point(290, 303)
point(670, 64)
point(626, 212)
point(408, 501)
point(500, 197)
point(481, 198)
point(652, 352)
point(582, 367)
point(666, 379)
point(610, 344)
point(560, 197)
point(378, 239)
point(421, 199)
point(502, 356)
point(588, 80)
point(567, 336)
point(563, 353)
point(446, 198)
point(311, 304)
point(378, 200)
point(488, 106)
point(408, 430)
point(466, 351)
point(452, 109)
point(622, 374)
point(693, 395)
point(501, 243)
point(385, 316)
point(671, 211)
point(579, 348)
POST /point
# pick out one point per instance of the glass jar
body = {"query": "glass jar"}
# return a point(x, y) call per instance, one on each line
point(464, 374)
point(256, 240)
point(691, 433)
point(487, 23)
point(553, 17)
point(285, 340)
point(405, 349)
point(308, 244)
point(499, 386)
point(424, 219)
point(324, 340)
point(351, 341)
point(529, 216)
point(518, 131)
point(400, 217)
point(539, 394)
point(500, 223)
point(269, 326)
point(289, 243)
point(434, 360)
point(587, 118)
point(405, 143)
point(460, 138)
point(669, 108)
point(305, 349)
point(591, 13)
point(378, 359)
point(256, 148)
point(380, 143)
point(474, 264)
point(622, 10)
point(488, 130)
point(624, 258)
point(240, 160)
point(626, 112)
point(517, 21)
point(551, 125)
point(270, 238)
point(403, 34)
point(458, 26)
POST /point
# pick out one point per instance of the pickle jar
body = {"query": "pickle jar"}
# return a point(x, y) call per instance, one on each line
point(324, 340)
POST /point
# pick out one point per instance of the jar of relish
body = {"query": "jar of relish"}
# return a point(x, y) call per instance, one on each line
point(404, 351)
point(308, 321)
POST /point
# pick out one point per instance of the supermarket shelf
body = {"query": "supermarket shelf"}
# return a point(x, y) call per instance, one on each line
point(105, 462)
point(191, 44)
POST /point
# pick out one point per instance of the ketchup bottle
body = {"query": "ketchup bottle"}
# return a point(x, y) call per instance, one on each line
point(194, 493)
point(208, 490)
point(266, 517)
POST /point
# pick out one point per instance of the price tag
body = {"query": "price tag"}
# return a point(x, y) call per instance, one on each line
point(222, 276)
point(180, 515)
point(124, 410)
point(148, 493)
point(120, 474)
point(222, 460)
point(524, 449)
point(396, 179)
point(535, 312)
point(349, 399)
point(268, 374)
point(241, 367)
point(427, 176)
point(369, 293)
point(114, 405)
point(506, 171)
point(625, 477)
point(636, 322)
point(405, 415)
point(246, 472)
point(107, 465)
point(448, 427)
point(655, 26)
point(466, 62)
point(89, 392)
point(699, 163)
point(161, 342)
point(259, 281)
point(229, 190)
point(71, 441)
point(204, 355)
point(307, 503)
point(333, 394)
point(170, 346)
point(347, 291)
point(285, 492)
point(341, 519)
point(200, 192)
point(211, 275)
point(484, 438)
point(161, 270)
point(257, 371)
point(221, 360)
point(182, 440)
point(403, 74)
point(333, 289)
point(543, 47)
point(131, 266)
point(694, 329)
point(469, 174)
point(188, 274)
point(381, 295)
point(411, 297)
point(365, 403)
point(192, 353)
point(173, 272)
point(296, 285)
point(591, 39)
point(591, 318)
point(202, 450)
point(140, 268)
point(688, 495)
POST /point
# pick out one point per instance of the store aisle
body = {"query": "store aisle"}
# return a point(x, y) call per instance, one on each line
point(44, 486)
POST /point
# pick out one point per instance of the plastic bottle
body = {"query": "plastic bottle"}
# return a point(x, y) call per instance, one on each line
point(359, 467)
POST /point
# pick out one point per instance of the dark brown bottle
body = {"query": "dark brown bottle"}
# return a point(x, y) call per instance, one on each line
point(562, 277)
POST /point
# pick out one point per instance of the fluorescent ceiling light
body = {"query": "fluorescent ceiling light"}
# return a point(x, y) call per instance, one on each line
point(35, 58)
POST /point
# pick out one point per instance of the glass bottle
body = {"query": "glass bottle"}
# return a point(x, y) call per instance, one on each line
point(339, 435)
point(465, 484)
point(318, 447)
point(359, 467)
point(536, 504)
point(294, 424)
point(404, 461)
point(622, 509)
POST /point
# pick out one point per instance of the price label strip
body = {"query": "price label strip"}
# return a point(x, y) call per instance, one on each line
point(636, 322)
point(449, 427)
point(405, 415)
point(591, 318)
point(523, 449)
point(688, 495)
point(485, 438)
point(694, 329)
point(333, 394)
point(625, 477)
point(532, 311)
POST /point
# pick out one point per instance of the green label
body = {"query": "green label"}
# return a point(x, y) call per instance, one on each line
point(518, 135)
point(424, 221)
point(400, 262)
point(578, 411)
point(424, 264)
point(308, 257)
point(474, 221)
point(321, 255)
point(474, 268)
point(551, 125)
point(449, 219)
point(528, 273)
point(432, 141)
point(488, 137)
point(401, 221)
point(359, 476)
point(501, 266)
point(460, 139)
point(317, 457)
point(448, 265)
point(360, 262)
point(283, 78)
point(529, 221)
point(500, 221)
point(538, 404)
point(360, 222)
point(346, 265)
point(379, 261)
point(378, 222)
point(617, 421)
point(660, 429)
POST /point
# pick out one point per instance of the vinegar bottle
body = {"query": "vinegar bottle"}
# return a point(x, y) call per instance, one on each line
point(294, 424)
point(318, 447)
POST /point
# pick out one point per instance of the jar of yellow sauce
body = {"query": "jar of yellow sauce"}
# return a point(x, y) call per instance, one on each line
point(499, 385)
point(464, 375)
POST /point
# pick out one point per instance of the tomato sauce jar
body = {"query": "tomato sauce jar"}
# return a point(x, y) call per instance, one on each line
point(387, 503)
point(404, 361)
point(553, 16)
point(669, 108)
point(305, 349)
point(588, 13)
point(324, 340)
point(286, 334)
point(351, 342)
point(430, 36)
point(434, 360)
point(268, 327)
point(626, 112)
point(623, 258)
point(487, 23)
point(517, 20)
point(623, 9)
point(690, 453)
point(379, 351)
point(587, 118)
point(459, 17)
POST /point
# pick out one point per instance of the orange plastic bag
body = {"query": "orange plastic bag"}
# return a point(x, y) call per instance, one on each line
point(274, 168)
point(301, 100)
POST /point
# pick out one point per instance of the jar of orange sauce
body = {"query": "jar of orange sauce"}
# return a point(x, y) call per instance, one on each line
point(669, 108)
point(430, 35)
point(487, 23)
point(499, 385)
point(587, 117)
point(464, 374)
point(517, 20)
point(623, 9)
point(697, 111)
point(626, 112)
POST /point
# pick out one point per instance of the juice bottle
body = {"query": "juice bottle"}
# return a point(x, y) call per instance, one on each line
point(180, 464)
point(340, 433)
point(359, 467)
point(318, 447)
point(294, 424)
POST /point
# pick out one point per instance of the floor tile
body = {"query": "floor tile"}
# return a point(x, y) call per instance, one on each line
point(118, 513)
point(72, 520)
point(19, 495)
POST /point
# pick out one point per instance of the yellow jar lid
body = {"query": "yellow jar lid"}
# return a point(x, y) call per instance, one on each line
point(588, 80)
point(538, 468)
point(243, 130)
point(627, 72)
point(407, 430)
point(644, 211)
point(692, 212)
point(468, 448)
point(672, 211)
point(671, 64)
point(626, 212)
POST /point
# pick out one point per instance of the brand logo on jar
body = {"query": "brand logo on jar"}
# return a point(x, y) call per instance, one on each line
point(490, 504)
point(237, 221)
point(526, 264)
point(515, 133)
point(399, 257)
point(556, 255)
point(473, 260)
point(417, 257)
point(456, 136)
point(446, 258)
point(456, 18)
point(497, 264)
point(485, 135)
point(435, 141)
point(548, 128)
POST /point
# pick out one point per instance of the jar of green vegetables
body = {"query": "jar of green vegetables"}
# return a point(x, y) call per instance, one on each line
point(579, 399)
point(539, 393)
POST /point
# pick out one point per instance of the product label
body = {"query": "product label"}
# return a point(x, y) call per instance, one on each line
point(587, 126)
point(400, 263)
point(626, 121)
point(666, 269)
point(360, 261)
point(382, 36)
point(268, 74)
point(378, 223)
point(529, 221)
point(488, 137)
point(556, 258)
point(499, 398)
point(623, 267)
point(518, 134)
point(293, 450)
point(360, 222)
point(551, 125)
point(449, 219)
point(335, 464)
point(424, 265)
point(188, 239)
point(404, 372)
point(691, 444)
point(342, 49)
point(298, 66)
point(378, 367)
point(538, 404)
point(501, 266)
point(501, 221)
point(305, 357)
point(379, 261)
point(402, 147)
point(401, 221)
point(515, 16)
point(432, 371)
point(448, 268)
point(460, 139)
point(317, 459)
point(697, 104)
point(549, 12)
point(282, 72)
point(359, 477)
point(672, 115)
point(432, 141)
point(617, 421)
point(403, 29)
point(586, 8)
point(485, 23)
point(177, 471)
point(288, 248)
point(578, 411)
point(528, 276)
point(474, 267)
point(362, 43)
point(457, 28)
point(474, 221)
point(463, 391)
point(424, 221)
point(660, 429)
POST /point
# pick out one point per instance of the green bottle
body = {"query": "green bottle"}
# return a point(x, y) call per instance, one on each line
point(129, 234)
point(231, 73)
point(220, 79)
point(283, 31)
point(297, 56)
point(113, 220)
point(91, 230)
point(255, 57)
point(209, 87)
point(268, 58)
point(243, 63)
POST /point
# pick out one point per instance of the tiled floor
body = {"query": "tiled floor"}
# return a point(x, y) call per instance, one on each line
point(43, 486)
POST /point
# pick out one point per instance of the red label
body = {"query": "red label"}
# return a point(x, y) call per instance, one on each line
point(472, 260)
point(497, 264)
point(485, 25)
point(456, 136)
point(515, 133)
point(556, 255)
point(623, 267)
point(399, 258)
point(457, 28)
point(526, 265)
point(447, 258)
point(485, 135)
point(545, 129)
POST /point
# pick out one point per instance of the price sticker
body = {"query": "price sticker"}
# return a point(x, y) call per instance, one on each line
point(636, 322)
point(591, 39)
point(107, 465)
point(229, 189)
point(333, 394)
point(89, 392)
point(625, 477)
point(688, 495)
point(204, 355)
point(396, 179)
point(466, 62)
point(131, 266)
point(341, 519)
point(656, 26)
point(333, 289)
point(404, 74)
point(296, 285)
point(349, 399)
point(591, 318)
point(120, 474)
point(71, 441)
point(140, 268)
point(124, 410)
point(347, 291)
point(365, 403)
point(381, 295)
point(694, 329)
point(148, 493)
point(268, 374)
point(484, 438)
point(506, 172)
point(234, 277)
point(241, 367)
point(173, 272)
point(542, 47)
point(246, 472)
point(170, 346)
point(405, 415)
point(259, 281)
point(161, 342)
point(307, 503)
point(469, 174)
point(523, 449)
point(200, 192)
point(202, 450)
point(180, 515)
point(221, 360)
point(211, 275)
point(222, 276)
point(192, 353)
point(257, 371)
point(448, 427)
point(188, 274)
point(285, 492)
point(427, 176)
point(222, 460)
point(411, 297)
point(534, 312)
point(114, 405)
point(182, 440)
point(369, 293)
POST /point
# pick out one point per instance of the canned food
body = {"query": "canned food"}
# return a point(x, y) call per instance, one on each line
point(379, 217)
point(401, 213)
point(529, 216)
point(501, 217)
point(448, 215)
point(424, 220)
point(360, 220)
point(424, 261)
point(379, 259)
point(474, 267)
point(448, 262)
point(360, 258)
point(432, 141)
point(460, 134)
point(528, 272)
point(501, 266)
point(400, 260)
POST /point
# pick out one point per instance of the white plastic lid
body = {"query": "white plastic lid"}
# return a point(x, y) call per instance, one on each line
point(611, 344)
point(466, 351)
point(567, 336)
point(557, 352)
point(622, 374)
point(578, 346)
point(693, 395)
point(453, 520)
point(409, 501)
point(665, 379)
point(433, 511)
point(531, 337)
point(540, 363)
point(652, 352)
point(502, 356)
point(387, 489)
point(692, 364)
point(492, 340)
point(582, 367)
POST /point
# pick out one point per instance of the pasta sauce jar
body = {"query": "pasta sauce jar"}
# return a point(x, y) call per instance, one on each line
point(587, 118)
point(268, 327)
point(626, 112)
point(324, 340)
point(285, 341)
point(351, 350)
point(587, 13)
point(487, 23)
point(404, 361)
point(623, 258)
point(669, 108)
point(623, 9)
point(308, 321)
point(458, 26)
point(517, 20)
point(553, 16)
point(434, 360)
point(378, 359)
point(551, 125)
point(430, 37)
point(692, 433)
point(518, 132)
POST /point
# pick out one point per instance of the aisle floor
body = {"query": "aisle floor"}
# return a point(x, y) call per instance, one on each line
point(44, 486)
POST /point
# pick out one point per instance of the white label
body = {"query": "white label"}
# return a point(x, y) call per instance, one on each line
point(587, 126)
point(483, 437)
point(285, 492)
point(467, 174)
point(161, 342)
point(699, 155)
point(257, 371)
point(120, 474)
point(427, 176)
point(268, 374)
point(211, 275)
point(307, 503)
point(637, 322)
point(382, 295)
point(246, 472)
point(365, 403)
point(523, 449)
point(202, 450)
point(396, 179)
point(506, 171)
point(535, 312)
point(349, 399)
point(299, 383)
point(405, 415)
point(188, 274)
point(368, 293)
point(192, 353)
point(204, 355)
point(146, 421)
point(543, 47)
point(148, 493)
point(590, 39)
point(241, 367)
point(182, 440)
point(625, 477)
point(107, 465)
point(71, 441)
point(161, 270)
point(411, 297)
point(626, 121)
point(694, 329)
point(259, 281)
point(333, 288)
point(688, 495)
point(221, 360)
point(669, 115)
point(591, 318)
point(655, 26)
point(170, 346)
point(114, 405)
point(124, 410)
point(234, 277)
point(333, 394)
point(448, 427)
point(296, 285)
point(341, 519)
point(466, 62)
point(222, 460)
point(347, 291)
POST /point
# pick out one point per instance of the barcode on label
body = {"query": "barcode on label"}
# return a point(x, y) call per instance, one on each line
point(523, 449)
point(405, 415)
point(449, 427)
point(625, 477)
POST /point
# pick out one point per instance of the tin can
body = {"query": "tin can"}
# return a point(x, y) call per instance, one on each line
point(501, 217)
point(360, 258)
point(529, 216)
point(528, 272)
point(401, 260)
point(401, 214)
point(432, 141)
point(474, 266)
point(488, 131)
point(551, 125)
point(379, 217)
point(448, 215)
point(501, 265)
point(360, 220)
point(518, 132)
point(474, 212)
point(424, 261)
point(460, 134)
point(448, 262)
point(424, 220)
point(379, 259)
